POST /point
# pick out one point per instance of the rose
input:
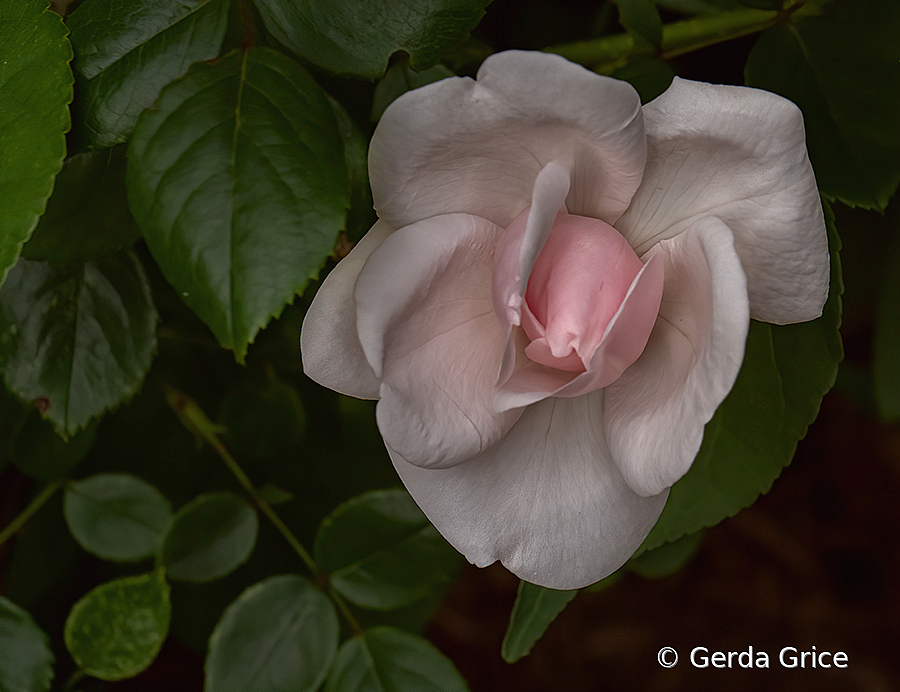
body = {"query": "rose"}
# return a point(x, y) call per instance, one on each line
point(556, 297)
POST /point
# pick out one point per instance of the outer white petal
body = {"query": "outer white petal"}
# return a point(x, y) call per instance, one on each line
point(329, 345)
point(427, 326)
point(475, 147)
point(738, 154)
point(656, 411)
point(546, 500)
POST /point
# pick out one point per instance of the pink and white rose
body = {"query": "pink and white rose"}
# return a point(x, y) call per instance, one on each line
point(556, 297)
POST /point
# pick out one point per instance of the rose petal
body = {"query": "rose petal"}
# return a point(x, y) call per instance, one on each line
point(655, 412)
point(520, 244)
point(476, 147)
point(738, 154)
point(329, 345)
point(428, 329)
point(546, 500)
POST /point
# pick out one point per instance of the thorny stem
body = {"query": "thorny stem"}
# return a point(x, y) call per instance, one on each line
point(16, 524)
point(195, 420)
point(610, 53)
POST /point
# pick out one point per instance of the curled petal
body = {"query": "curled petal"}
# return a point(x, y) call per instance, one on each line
point(329, 345)
point(521, 243)
point(460, 145)
point(738, 154)
point(427, 326)
point(546, 500)
point(656, 411)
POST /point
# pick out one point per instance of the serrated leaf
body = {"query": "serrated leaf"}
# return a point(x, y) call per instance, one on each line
point(116, 516)
point(642, 18)
point(127, 51)
point(237, 179)
point(26, 660)
point(843, 69)
point(667, 558)
point(886, 358)
point(87, 215)
point(117, 629)
point(35, 90)
point(381, 552)
point(753, 435)
point(209, 537)
point(384, 659)
point(399, 79)
point(357, 37)
point(280, 634)
point(38, 451)
point(76, 339)
point(534, 610)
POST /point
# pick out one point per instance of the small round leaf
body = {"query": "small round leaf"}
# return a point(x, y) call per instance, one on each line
point(116, 516)
point(381, 552)
point(209, 537)
point(387, 660)
point(116, 630)
point(280, 634)
point(26, 661)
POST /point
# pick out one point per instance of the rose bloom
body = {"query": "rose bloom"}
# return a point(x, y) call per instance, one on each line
point(556, 297)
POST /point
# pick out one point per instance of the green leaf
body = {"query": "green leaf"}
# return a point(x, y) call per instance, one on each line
point(534, 610)
point(642, 18)
point(357, 37)
point(649, 76)
point(886, 359)
point(280, 634)
point(209, 537)
point(263, 418)
point(237, 179)
point(753, 435)
point(35, 90)
point(117, 629)
point(667, 558)
point(76, 339)
point(384, 659)
point(26, 660)
point(843, 69)
point(381, 552)
point(38, 451)
point(116, 516)
point(399, 79)
point(361, 215)
point(125, 52)
point(87, 215)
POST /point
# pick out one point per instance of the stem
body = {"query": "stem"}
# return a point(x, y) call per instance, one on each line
point(16, 524)
point(610, 53)
point(196, 420)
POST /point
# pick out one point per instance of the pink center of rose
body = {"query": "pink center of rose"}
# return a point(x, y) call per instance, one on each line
point(588, 305)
